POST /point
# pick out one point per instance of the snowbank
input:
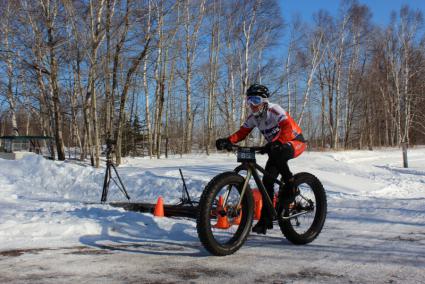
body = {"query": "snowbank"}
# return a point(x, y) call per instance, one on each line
point(51, 203)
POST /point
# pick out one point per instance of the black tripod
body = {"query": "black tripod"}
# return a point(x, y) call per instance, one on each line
point(108, 173)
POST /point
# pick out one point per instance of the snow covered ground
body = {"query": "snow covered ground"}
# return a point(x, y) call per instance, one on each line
point(53, 230)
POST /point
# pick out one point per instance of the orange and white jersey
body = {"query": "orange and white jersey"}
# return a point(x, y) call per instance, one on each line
point(275, 124)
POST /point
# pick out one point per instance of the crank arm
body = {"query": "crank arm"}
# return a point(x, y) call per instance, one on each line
point(295, 215)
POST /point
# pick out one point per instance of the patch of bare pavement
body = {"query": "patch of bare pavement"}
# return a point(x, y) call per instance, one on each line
point(163, 262)
point(366, 249)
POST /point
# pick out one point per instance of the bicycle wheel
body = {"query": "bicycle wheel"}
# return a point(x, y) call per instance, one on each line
point(308, 211)
point(222, 226)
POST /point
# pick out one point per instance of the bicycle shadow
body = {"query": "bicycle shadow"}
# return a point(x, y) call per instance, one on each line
point(133, 232)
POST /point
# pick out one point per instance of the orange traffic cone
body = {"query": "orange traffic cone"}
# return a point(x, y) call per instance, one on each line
point(159, 208)
point(222, 221)
point(258, 204)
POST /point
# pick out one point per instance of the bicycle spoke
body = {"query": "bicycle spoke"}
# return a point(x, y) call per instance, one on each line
point(225, 225)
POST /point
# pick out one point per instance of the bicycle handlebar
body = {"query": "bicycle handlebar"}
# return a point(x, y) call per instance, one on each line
point(257, 149)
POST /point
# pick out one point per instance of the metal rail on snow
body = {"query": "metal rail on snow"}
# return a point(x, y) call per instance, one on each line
point(186, 208)
point(185, 193)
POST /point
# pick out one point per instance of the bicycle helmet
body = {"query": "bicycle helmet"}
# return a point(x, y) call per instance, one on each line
point(258, 90)
point(257, 99)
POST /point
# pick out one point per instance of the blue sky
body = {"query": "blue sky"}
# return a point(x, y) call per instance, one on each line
point(381, 9)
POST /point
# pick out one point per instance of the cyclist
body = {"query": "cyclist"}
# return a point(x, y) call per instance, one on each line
point(284, 142)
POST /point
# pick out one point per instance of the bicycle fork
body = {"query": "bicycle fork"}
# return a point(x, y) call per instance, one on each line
point(229, 188)
point(269, 204)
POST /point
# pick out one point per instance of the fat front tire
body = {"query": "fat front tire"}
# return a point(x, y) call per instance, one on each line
point(218, 230)
point(305, 228)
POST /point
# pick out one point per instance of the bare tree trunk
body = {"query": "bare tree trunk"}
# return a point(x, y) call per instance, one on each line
point(317, 55)
point(147, 110)
point(87, 144)
point(109, 103)
point(50, 12)
point(213, 59)
point(230, 96)
point(247, 30)
point(77, 91)
point(339, 63)
point(74, 112)
point(168, 103)
point(96, 12)
point(27, 106)
point(369, 125)
point(230, 101)
point(410, 21)
point(116, 61)
point(191, 43)
point(350, 90)
point(146, 90)
point(5, 27)
point(9, 93)
point(188, 138)
point(160, 81)
point(11, 98)
point(288, 83)
point(133, 67)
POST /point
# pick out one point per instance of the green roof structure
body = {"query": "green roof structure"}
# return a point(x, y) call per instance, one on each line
point(13, 147)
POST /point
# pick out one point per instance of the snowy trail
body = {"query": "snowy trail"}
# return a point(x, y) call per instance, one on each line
point(374, 232)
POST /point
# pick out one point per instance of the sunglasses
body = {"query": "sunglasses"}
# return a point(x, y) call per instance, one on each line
point(254, 100)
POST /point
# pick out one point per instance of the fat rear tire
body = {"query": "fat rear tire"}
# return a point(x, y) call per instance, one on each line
point(320, 205)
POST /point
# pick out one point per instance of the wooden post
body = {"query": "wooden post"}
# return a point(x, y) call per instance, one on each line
point(404, 149)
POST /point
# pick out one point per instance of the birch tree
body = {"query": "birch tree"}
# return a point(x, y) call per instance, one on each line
point(316, 55)
point(96, 10)
point(133, 67)
point(5, 35)
point(192, 23)
point(248, 19)
point(212, 74)
point(50, 20)
point(146, 88)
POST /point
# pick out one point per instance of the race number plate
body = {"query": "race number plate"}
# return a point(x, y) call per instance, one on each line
point(246, 155)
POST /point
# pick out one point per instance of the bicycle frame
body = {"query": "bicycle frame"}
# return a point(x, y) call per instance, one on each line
point(249, 163)
point(225, 203)
point(252, 171)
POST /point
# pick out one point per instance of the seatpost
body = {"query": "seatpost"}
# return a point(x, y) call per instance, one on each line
point(269, 204)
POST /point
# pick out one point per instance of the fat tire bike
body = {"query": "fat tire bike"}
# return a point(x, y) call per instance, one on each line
point(226, 207)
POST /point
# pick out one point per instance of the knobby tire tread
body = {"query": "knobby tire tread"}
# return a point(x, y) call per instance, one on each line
point(321, 209)
point(203, 219)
